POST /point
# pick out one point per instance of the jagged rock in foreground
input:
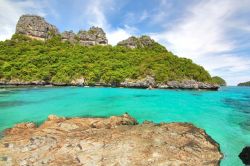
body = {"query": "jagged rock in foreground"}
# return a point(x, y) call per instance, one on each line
point(134, 42)
point(117, 140)
point(35, 27)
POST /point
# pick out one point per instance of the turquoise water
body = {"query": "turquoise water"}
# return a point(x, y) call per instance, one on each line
point(224, 114)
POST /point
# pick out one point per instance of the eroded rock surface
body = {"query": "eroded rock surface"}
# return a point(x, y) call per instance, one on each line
point(137, 42)
point(188, 84)
point(118, 140)
point(94, 36)
point(35, 27)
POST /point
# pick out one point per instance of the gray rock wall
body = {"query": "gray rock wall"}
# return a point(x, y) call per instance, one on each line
point(37, 28)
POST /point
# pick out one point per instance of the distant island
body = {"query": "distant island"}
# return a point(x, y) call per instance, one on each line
point(244, 83)
point(38, 54)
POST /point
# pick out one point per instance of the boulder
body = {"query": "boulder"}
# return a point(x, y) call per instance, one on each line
point(118, 140)
point(35, 27)
point(245, 155)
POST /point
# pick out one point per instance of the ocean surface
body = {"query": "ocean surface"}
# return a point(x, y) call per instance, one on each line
point(224, 114)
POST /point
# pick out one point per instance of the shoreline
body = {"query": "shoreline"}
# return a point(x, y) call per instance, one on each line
point(103, 85)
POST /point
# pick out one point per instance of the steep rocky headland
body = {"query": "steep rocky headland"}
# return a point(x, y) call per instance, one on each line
point(38, 54)
point(118, 140)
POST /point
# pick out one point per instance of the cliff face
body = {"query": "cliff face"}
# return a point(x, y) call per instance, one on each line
point(117, 140)
point(35, 27)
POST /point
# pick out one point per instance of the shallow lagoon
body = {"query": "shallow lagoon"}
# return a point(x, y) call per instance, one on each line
point(224, 114)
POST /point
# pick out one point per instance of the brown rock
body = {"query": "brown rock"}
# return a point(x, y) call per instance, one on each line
point(117, 140)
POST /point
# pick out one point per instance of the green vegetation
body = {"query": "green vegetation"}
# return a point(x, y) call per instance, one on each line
point(218, 80)
point(244, 83)
point(22, 58)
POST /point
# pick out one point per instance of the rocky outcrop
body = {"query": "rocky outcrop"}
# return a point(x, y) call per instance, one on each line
point(118, 140)
point(134, 42)
point(146, 82)
point(245, 155)
point(69, 36)
point(94, 36)
point(35, 27)
point(188, 84)
point(78, 82)
point(149, 82)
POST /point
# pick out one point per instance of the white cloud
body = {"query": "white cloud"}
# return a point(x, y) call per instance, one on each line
point(202, 35)
point(12, 10)
point(96, 14)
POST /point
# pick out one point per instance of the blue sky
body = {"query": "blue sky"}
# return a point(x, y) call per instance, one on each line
point(214, 34)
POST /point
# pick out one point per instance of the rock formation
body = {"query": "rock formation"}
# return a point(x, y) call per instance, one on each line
point(117, 140)
point(35, 27)
point(188, 84)
point(141, 83)
point(149, 82)
point(69, 36)
point(245, 155)
point(134, 42)
point(94, 36)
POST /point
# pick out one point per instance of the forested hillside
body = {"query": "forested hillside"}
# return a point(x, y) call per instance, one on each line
point(25, 59)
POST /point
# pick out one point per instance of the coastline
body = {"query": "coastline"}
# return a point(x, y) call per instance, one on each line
point(150, 87)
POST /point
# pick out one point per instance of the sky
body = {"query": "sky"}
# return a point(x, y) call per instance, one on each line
point(213, 33)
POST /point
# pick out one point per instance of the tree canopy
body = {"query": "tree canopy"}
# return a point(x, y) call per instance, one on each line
point(54, 61)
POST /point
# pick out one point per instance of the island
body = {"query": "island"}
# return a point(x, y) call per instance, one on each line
point(117, 140)
point(244, 83)
point(38, 54)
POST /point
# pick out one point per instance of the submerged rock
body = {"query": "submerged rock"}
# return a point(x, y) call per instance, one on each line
point(118, 140)
point(245, 155)
point(35, 27)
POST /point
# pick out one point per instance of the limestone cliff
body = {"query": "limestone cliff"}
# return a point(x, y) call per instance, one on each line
point(35, 27)
point(117, 140)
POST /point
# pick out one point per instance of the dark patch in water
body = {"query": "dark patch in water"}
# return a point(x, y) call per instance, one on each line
point(11, 103)
point(241, 105)
point(245, 125)
point(138, 96)
point(245, 155)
